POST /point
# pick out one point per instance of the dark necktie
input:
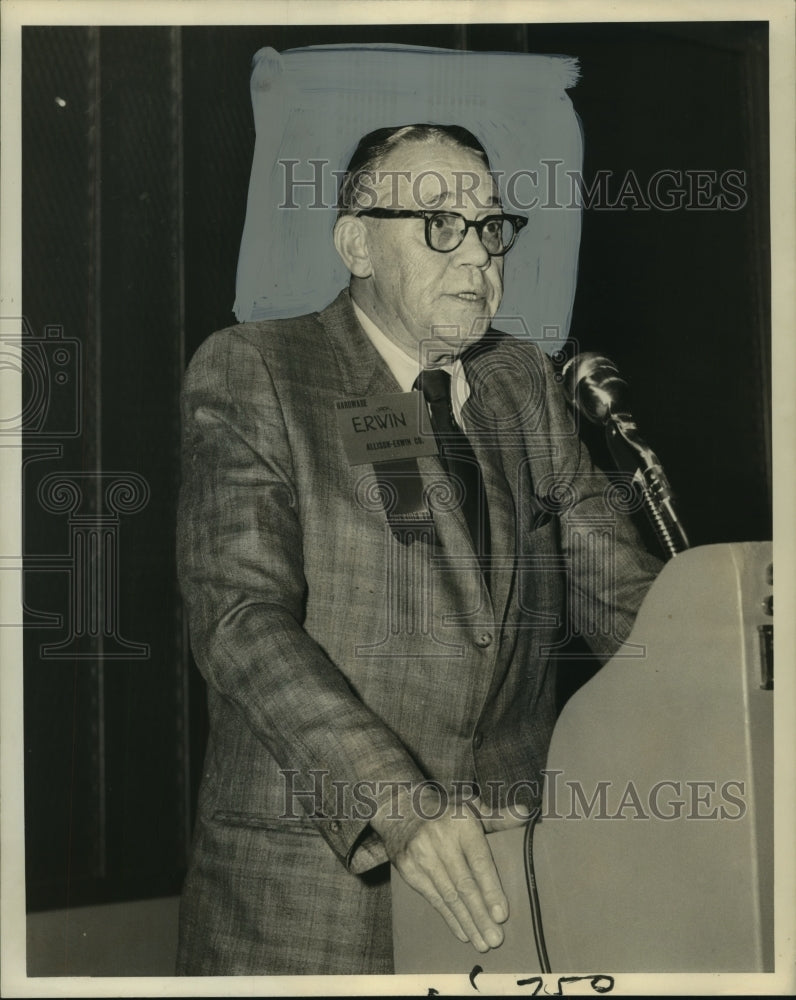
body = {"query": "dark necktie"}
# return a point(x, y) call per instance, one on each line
point(457, 457)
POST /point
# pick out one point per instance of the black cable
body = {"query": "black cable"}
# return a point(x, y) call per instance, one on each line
point(533, 894)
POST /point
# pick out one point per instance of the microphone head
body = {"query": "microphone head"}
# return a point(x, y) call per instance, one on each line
point(594, 385)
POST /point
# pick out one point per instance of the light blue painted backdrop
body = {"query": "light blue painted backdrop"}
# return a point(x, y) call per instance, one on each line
point(315, 103)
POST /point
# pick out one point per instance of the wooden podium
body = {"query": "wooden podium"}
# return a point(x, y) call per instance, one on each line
point(654, 852)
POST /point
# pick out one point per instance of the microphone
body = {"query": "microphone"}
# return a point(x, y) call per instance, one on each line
point(592, 382)
point(595, 387)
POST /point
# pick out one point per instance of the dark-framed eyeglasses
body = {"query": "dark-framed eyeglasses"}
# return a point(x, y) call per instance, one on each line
point(445, 231)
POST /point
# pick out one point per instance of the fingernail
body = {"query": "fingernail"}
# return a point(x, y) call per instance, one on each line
point(494, 937)
point(480, 944)
point(498, 913)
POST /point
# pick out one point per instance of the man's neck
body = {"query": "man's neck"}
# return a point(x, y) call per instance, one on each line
point(439, 357)
point(405, 368)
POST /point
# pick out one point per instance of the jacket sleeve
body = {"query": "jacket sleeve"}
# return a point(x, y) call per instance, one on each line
point(241, 571)
point(609, 570)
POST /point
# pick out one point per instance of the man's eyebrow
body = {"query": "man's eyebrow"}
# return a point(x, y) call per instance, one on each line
point(440, 198)
point(443, 198)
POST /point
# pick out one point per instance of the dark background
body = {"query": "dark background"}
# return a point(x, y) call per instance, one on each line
point(137, 146)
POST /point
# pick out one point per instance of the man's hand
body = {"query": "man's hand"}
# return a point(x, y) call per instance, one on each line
point(448, 861)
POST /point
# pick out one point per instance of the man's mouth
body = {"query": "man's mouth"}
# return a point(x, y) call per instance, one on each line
point(470, 296)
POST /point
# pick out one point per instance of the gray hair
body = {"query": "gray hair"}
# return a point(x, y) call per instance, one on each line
point(374, 148)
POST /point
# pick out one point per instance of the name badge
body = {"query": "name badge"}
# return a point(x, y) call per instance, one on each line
point(384, 428)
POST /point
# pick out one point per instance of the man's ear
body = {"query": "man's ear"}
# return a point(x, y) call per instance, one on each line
point(350, 240)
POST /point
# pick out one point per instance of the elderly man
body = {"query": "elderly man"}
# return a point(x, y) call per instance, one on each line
point(379, 527)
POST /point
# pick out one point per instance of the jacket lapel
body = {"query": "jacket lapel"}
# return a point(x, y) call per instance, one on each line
point(501, 522)
point(503, 458)
point(363, 372)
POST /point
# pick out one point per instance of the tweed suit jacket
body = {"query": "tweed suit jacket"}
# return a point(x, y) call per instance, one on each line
point(337, 657)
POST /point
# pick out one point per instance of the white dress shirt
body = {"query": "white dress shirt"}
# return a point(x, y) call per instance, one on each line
point(405, 368)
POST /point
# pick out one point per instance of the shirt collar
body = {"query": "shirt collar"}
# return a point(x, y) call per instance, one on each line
point(405, 368)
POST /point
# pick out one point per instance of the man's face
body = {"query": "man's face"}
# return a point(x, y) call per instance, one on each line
point(431, 304)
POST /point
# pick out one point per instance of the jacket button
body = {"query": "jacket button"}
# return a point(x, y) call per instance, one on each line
point(334, 826)
point(484, 639)
point(478, 739)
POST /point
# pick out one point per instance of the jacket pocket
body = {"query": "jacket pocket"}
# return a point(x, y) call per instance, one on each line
point(251, 821)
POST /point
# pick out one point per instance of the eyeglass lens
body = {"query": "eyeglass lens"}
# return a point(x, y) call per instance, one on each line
point(446, 232)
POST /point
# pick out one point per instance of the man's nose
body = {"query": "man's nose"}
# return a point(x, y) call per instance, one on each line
point(472, 251)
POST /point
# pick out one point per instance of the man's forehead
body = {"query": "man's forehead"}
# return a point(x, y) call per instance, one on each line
point(435, 176)
point(465, 189)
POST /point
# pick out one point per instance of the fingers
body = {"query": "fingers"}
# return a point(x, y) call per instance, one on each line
point(477, 897)
point(423, 884)
point(490, 892)
point(455, 902)
point(450, 864)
